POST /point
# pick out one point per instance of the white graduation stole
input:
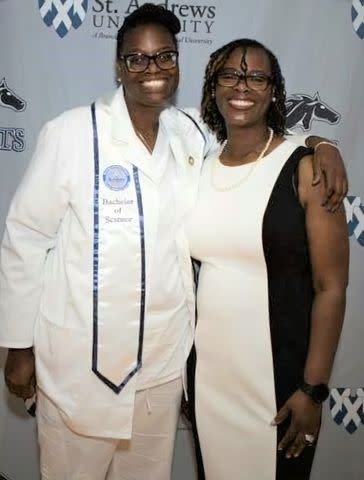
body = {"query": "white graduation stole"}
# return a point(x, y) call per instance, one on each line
point(118, 270)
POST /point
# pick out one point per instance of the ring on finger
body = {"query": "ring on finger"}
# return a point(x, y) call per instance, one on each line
point(310, 439)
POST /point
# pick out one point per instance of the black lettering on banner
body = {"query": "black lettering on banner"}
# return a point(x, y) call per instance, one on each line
point(195, 23)
point(104, 5)
point(113, 22)
point(194, 19)
point(183, 8)
point(110, 23)
point(12, 139)
point(18, 143)
point(108, 4)
point(212, 12)
point(100, 22)
point(132, 5)
point(208, 26)
point(198, 10)
point(100, 4)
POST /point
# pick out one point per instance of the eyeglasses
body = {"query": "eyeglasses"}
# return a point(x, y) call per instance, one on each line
point(139, 62)
point(255, 81)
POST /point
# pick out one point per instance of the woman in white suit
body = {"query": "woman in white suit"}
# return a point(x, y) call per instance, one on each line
point(92, 233)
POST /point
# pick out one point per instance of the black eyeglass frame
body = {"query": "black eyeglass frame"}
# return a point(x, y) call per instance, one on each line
point(244, 77)
point(155, 59)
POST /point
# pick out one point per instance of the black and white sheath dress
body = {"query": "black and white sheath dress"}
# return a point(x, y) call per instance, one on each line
point(254, 302)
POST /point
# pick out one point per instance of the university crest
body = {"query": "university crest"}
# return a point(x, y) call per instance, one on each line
point(63, 14)
point(347, 408)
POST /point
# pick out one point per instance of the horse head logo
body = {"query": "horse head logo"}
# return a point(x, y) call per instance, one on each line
point(10, 99)
point(302, 110)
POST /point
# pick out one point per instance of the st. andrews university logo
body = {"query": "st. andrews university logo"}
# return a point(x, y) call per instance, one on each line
point(9, 99)
point(63, 14)
point(347, 408)
point(357, 16)
point(302, 110)
point(355, 217)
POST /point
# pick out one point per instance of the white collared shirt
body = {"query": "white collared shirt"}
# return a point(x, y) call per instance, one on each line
point(167, 319)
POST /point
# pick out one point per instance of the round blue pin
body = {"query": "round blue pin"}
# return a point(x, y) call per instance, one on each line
point(116, 177)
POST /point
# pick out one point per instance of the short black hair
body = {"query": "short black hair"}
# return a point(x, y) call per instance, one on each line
point(148, 14)
point(276, 115)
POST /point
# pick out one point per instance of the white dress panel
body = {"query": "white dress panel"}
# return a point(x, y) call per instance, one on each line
point(235, 394)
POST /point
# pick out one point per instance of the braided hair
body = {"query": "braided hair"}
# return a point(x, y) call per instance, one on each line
point(276, 115)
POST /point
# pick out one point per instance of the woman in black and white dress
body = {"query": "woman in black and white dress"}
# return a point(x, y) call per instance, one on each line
point(271, 291)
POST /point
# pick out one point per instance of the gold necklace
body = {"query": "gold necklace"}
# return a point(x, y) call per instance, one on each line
point(246, 176)
point(143, 140)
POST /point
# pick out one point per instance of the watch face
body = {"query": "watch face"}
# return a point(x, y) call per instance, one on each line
point(320, 392)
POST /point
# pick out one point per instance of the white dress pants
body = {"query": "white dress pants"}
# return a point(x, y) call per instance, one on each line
point(65, 455)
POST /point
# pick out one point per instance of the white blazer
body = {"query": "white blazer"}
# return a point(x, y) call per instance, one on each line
point(79, 239)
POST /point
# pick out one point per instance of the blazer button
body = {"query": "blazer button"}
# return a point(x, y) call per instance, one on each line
point(191, 161)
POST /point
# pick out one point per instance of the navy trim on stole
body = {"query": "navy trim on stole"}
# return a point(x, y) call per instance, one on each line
point(142, 275)
point(95, 289)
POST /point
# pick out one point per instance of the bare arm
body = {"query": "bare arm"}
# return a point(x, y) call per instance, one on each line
point(329, 170)
point(329, 254)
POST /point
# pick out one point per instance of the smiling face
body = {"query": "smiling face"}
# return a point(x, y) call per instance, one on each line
point(240, 105)
point(154, 87)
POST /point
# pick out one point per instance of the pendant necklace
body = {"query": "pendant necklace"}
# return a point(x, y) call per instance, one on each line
point(144, 141)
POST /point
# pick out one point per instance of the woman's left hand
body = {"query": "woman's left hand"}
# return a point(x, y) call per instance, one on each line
point(328, 167)
point(305, 422)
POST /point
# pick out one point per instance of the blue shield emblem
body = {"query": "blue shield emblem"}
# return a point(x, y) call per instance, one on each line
point(355, 218)
point(63, 14)
point(357, 16)
point(347, 408)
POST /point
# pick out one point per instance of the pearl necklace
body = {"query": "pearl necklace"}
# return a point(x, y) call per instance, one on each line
point(252, 168)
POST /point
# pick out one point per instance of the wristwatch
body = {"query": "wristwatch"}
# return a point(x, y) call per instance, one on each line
point(318, 393)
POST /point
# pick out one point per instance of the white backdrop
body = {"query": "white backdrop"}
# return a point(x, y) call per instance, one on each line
point(57, 54)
